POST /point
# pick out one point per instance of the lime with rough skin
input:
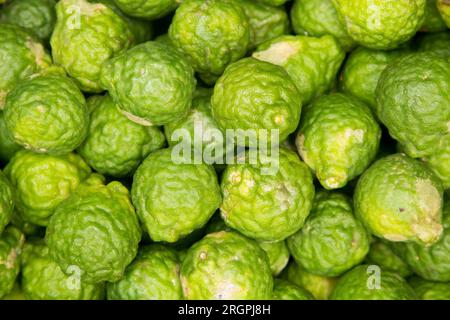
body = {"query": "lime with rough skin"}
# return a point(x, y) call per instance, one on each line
point(381, 24)
point(15, 293)
point(147, 9)
point(438, 42)
point(47, 114)
point(11, 243)
point(430, 290)
point(332, 240)
point(366, 282)
point(115, 146)
point(268, 206)
point(226, 266)
point(319, 286)
point(382, 255)
point(362, 70)
point(400, 199)
point(265, 21)
point(8, 147)
point(173, 198)
point(22, 55)
point(211, 33)
point(153, 275)
point(285, 290)
point(413, 102)
point(85, 36)
point(317, 18)
point(444, 9)
point(278, 255)
point(7, 197)
point(433, 20)
point(42, 278)
point(439, 162)
point(43, 181)
point(312, 63)
point(152, 83)
point(36, 16)
point(256, 96)
point(338, 138)
point(94, 234)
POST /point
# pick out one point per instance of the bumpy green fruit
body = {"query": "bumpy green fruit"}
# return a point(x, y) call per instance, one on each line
point(363, 69)
point(42, 278)
point(382, 255)
point(21, 54)
point(367, 282)
point(211, 33)
point(285, 290)
point(8, 147)
point(319, 286)
point(413, 102)
point(278, 255)
point(444, 9)
point(37, 16)
point(439, 162)
point(265, 22)
point(429, 290)
point(6, 201)
point(47, 114)
point(400, 199)
point(151, 83)
point(338, 138)
point(11, 242)
point(381, 24)
point(226, 265)
point(433, 21)
point(256, 96)
point(15, 293)
point(115, 145)
point(438, 42)
point(94, 234)
point(153, 275)
point(332, 241)
point(43, 181)
point(86, 35)
point(263, 205)
point(173, 198)
point(312, 63)
point(147, 9)
point(318, 18)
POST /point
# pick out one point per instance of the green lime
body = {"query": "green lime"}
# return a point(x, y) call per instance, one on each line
point(433, 20)
point(6, 201)
point(11, 242)
point(147, 9)
point(8, 147)
point(430, 290)
point(438, 42)
point(444, 9)
point(285, 290)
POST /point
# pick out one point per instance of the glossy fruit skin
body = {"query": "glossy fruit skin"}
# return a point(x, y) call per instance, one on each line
point(42, 278)
point(47, 114)
point(11, 243)
point(265, 21)
point(226, 265)
point(400, 199)
point(338, 138)
point(174, 199)
point(37, 16)
point(319, 286)
point(363, 69)
point(278, 255)
point(94, 234)
point(285, 290)
point(438, 42)
point(85, 36)
point(381, 25)
point(317, 18)
point(8, 147)
point(415, 111)
point(356, 285)
point(430, 290)
point(7, 195)
point(382, 255)
point(152, 83)
point(147, 9)
point(332, 240)
point(268, 207)
point(444, 9)
point(212, 34)
point(251, 87)
point(312, 63)
point(431, 262)
point(153, 275)
point(115, 146)
point(22, 55)
point(433, 21)
point(43, 181)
